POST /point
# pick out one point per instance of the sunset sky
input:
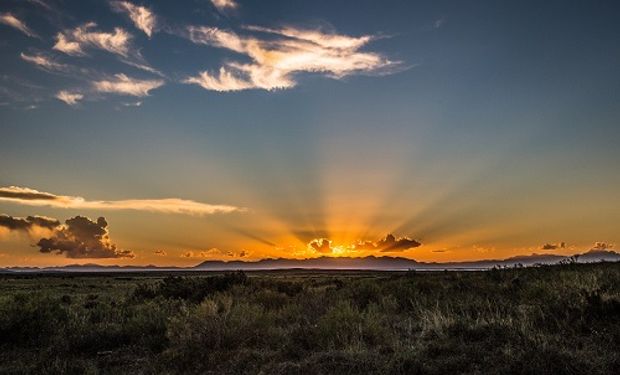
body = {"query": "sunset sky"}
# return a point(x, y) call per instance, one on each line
point(231, 129)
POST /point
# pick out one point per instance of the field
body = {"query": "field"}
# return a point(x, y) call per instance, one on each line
point(548, 320)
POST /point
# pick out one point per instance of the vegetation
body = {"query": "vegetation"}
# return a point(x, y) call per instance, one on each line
point(547, 320)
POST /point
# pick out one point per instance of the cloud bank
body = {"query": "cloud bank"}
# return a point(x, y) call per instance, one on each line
point(27, 196)
point(275, 62)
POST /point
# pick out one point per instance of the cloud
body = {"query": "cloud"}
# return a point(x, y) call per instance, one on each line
point(26, 224)
point(142, 17)
point(69, 97)
point(276, 61)
point(123, 85)
point(33, 197)
point(81, 237)
point(10, 20)
point(321, 245)
point(602, 246)
point(213, 252)
point(161, 253)
point(43, 62)
point(74, 42)
point(41, 3)
point(132, 104)
point(223, 5)
point(388, 244)
point(553, 246)
point(439, 23)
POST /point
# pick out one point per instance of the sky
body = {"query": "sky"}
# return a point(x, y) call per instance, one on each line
point(169, 133)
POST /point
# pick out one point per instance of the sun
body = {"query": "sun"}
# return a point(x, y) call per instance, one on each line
point(339, 251)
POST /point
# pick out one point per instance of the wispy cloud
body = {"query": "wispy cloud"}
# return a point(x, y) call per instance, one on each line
point(439, 23)
point(276, 61)
point(31, 197)
point(10, 20)
point(214, 253)
point(223, 5)
point(70, 98)
point(143, 18)
point(42, 61)
point(124, 85)
point(75, 41)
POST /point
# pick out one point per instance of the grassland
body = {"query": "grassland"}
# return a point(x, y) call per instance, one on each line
point(548, 320)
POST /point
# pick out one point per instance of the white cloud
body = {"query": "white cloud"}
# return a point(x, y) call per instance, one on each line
point(31, 197)
point(69, 97)
point(439, 23)
point(121, 84)
point(142, 17)
point(10, 20)
point(275, 62)
point(223, 5)
point(73, 42)
point(43, 61)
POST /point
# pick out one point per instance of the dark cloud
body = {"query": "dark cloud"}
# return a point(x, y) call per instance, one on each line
point(553, 246)
point(389, 244)
point(25, 224)
point(321, 245)
point(81, 237)
point(13, 192)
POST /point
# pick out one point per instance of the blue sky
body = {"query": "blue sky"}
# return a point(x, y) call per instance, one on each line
point(482, 129)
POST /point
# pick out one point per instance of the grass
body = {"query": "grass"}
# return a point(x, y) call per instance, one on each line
point(548, 320)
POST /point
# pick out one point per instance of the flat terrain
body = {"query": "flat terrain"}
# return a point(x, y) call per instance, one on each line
point(548, 320)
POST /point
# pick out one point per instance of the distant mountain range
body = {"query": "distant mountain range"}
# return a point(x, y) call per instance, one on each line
point(342, 263)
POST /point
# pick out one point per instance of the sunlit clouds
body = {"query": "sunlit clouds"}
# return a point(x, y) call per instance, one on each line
point(124, 85)
point(12, 21)
point(214, 253)
point(272, 58)
point(276, 61)
point(31, 197)
point(70, 98)
point(79, 237)
point(223, 5)
point(42, 61)
point(387, 244)
point(142, 17)
point(77, 40)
